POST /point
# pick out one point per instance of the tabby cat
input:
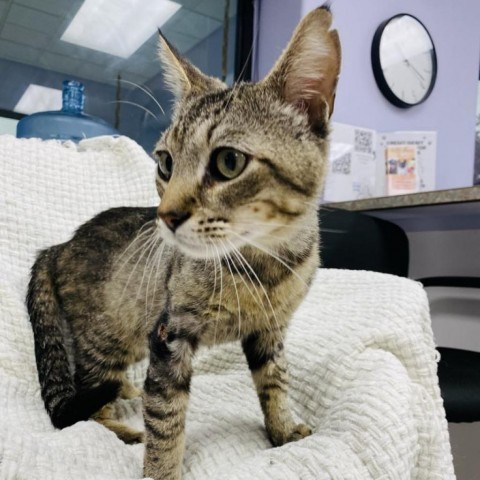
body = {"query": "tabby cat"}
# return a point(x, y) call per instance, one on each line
point(228, 254)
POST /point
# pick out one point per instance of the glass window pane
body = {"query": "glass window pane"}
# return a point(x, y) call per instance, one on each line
point(111, 47)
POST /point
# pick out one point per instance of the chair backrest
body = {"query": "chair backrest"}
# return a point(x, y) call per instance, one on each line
point(355, 241)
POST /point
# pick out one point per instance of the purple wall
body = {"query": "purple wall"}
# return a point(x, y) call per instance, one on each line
point(450, 110)
point(275, 24)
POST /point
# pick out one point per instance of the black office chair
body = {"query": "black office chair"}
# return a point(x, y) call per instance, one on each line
point(355, 241)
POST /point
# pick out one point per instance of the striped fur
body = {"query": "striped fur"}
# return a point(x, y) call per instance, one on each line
point(220, 259)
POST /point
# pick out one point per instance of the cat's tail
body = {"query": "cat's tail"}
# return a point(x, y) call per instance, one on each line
point(64, 404)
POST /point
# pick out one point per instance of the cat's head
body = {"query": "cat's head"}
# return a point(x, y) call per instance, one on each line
point(245, 165)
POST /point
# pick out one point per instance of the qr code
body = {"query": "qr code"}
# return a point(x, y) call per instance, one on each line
point(363, 141)
point(342, 165)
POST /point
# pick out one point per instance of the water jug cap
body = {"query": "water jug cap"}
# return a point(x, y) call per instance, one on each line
point(73, 97)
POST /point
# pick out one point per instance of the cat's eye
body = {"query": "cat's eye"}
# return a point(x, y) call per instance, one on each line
point(227, 163)
point(164, 165)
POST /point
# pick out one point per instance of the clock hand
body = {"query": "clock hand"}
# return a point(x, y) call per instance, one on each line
point(415, 70)
point(408, 63)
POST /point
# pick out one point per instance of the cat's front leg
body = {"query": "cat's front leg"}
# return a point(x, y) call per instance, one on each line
point(266, 360)
point(166, 394)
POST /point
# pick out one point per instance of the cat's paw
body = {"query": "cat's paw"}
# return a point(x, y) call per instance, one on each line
point(132, 436)
point(300, 431)
point(129, 391)
point(296, 432)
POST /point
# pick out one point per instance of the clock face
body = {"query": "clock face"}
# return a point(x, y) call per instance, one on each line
point(404, 60)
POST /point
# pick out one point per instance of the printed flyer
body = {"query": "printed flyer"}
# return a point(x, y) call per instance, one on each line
point(364, 163)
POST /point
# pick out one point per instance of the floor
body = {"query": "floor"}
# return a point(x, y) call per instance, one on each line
point(465, 441)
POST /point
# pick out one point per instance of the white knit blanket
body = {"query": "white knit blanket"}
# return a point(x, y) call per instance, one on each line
point(360, 351)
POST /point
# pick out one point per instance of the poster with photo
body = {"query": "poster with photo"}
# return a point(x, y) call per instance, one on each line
point(424, 144)
point(401, 169)
point(361, 158)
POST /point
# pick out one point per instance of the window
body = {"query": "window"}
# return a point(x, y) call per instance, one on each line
point(111, 47)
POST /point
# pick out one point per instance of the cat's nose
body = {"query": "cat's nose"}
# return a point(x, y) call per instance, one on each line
point(174, 218)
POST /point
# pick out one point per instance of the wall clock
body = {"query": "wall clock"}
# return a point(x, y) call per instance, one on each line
point(404, 60)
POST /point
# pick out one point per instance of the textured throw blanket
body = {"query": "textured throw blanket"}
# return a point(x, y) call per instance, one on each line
point(360, 350)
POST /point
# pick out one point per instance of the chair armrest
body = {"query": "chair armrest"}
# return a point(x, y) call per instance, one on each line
point(462, 282)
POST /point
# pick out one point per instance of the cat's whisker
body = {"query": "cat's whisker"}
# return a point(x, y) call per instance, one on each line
point(137, 250)
point(139, 106)
point(300, 228)
point(157, 261)
point(148, 251)
point(247, 59)
point(297, 227)
point(221, 293)
point(316, 205)
point(231, 96)
point(322, 206)
point(142, 253)
point(126, 262)
point(148, 266)
point(257, 299)
point(319, 206)
point(215, 274)
point(243, 238)
point(227, 259)
point(271, 254)
point(143, 89)
point(207, 256)
point(141, 233)
point(262, 287)
point(236, 84)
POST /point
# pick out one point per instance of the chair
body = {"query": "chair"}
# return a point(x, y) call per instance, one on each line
point(355, 241)
point(349, 383)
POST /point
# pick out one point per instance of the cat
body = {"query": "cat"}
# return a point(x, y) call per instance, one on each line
point(228, 254)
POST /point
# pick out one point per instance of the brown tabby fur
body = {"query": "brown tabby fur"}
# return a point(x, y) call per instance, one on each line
point(235, 263)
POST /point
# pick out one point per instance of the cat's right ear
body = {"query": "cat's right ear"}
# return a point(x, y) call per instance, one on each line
point(306, 73)
point(183, 78)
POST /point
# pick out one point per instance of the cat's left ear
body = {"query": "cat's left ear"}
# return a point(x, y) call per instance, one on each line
point(181, 77)
point(307, 72)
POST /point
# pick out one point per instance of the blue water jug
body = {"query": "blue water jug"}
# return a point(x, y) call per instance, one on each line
point(69, 123)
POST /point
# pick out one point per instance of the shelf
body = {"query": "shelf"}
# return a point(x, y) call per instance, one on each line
point(456, 209)
point(438, 197)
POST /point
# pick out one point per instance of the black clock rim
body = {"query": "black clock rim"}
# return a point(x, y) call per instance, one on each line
point(378, 71)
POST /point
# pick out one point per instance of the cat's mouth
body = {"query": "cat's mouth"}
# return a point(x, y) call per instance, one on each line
point(213, 246)
point(206, 248)
point(205, 238)
point(216, 238)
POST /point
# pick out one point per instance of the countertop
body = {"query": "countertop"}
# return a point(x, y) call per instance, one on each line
point(456, 209)
point(438, 197)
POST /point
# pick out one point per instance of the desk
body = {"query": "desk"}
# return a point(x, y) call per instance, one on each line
point(456, 209)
